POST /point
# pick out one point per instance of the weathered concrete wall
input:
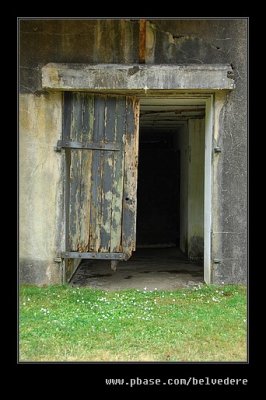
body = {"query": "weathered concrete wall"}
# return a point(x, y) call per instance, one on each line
point(168, 42)
point(183, 148)
point(229, 199)
point(91, 41)
point(196, 134)
point(40, 188)
point(219, 41)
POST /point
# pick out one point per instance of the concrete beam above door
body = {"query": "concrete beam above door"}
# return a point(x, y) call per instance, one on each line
point(138, 78)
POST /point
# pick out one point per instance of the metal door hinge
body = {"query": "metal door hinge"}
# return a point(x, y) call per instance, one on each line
point(93, 256)
point(72, 144)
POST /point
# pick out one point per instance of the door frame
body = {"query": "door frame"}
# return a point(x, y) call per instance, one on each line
point(141, 80)
point(209, 101)
point(209, 111)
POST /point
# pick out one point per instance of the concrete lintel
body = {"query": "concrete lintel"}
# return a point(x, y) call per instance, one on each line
point(138, 77)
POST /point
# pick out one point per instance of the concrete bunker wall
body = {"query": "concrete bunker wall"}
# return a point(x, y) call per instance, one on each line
point(116, 41)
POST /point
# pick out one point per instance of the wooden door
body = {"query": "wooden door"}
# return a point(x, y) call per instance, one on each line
point(100, 138)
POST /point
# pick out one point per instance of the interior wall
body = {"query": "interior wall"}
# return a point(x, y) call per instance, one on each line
point(196, 150)
point(182, 143)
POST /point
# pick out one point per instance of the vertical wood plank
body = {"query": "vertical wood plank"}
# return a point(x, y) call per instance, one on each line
point(107, 175)
point(83, 222)
point(88, 124)
point(67, 116)
point(118, 176)
point(130, 177)
point(75, 173)
point(79, 213)
point(96, 175)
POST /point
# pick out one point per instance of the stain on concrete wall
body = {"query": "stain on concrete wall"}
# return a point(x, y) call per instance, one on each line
point(83, 41)
point(40, 174)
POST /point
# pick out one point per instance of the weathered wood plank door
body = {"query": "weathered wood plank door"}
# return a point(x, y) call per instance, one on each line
point(100, 138)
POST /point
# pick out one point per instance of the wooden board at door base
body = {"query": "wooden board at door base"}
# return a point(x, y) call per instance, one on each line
point(100, 183)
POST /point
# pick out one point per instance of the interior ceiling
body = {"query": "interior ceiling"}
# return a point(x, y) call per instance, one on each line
point(162, 114)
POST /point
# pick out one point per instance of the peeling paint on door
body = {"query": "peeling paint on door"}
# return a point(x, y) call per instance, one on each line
point(101, 145)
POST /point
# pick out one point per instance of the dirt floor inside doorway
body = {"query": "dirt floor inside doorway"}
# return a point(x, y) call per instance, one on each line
point(147, 269)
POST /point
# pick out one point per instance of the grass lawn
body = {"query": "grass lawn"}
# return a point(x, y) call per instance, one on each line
point(62, 323)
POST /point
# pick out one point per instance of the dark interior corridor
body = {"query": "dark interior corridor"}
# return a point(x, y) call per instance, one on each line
point(158, 191)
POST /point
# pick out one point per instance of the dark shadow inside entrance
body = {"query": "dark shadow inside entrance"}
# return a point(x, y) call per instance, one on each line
point(158, 206)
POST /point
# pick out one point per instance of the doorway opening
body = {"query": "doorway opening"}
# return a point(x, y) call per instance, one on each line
point(170, 197)
point(173, 200)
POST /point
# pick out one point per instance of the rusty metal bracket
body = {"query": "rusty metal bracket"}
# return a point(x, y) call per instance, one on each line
point(86, 146)
point(94, 256)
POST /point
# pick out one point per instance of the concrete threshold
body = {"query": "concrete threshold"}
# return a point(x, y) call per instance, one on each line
point(148, 269)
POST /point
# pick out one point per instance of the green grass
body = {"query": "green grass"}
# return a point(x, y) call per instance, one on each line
point(60, 323)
